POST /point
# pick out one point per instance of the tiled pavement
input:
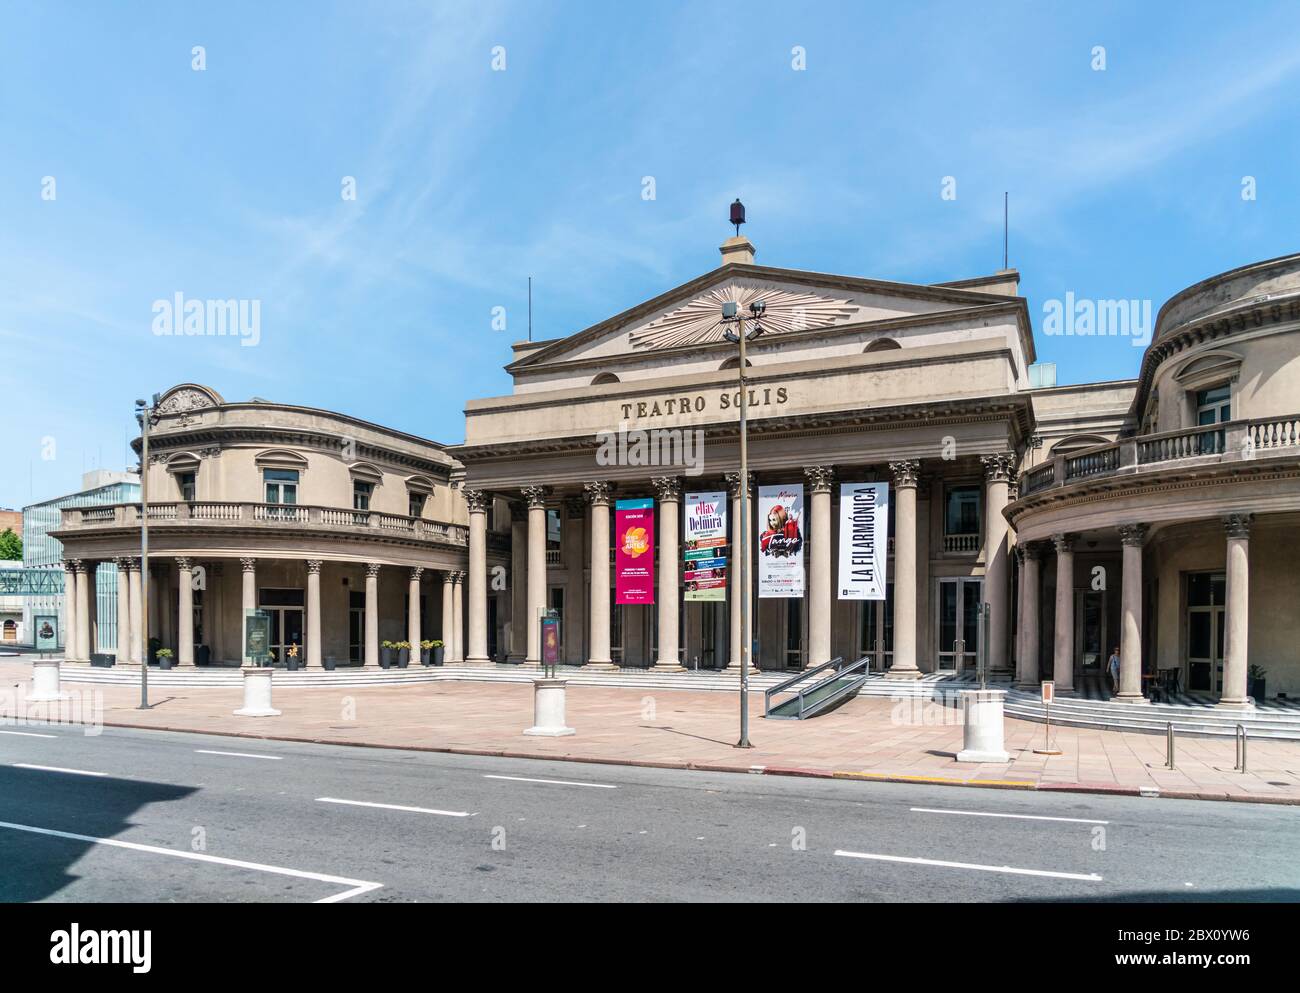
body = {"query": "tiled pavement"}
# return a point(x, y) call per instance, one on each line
point(868, 737)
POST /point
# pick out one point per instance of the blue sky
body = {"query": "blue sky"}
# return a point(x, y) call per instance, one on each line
point(226, 183)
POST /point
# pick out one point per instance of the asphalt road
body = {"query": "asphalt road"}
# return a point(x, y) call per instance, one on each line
point(181, 817)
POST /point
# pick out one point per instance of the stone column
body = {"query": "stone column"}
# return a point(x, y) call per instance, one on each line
point(458, 613)
point(819, 564)
point(518, 648)
point(669, 490)
point(413, 633)
point(247, 603)
point(312, 633)
point(1130, 623)
point(82, 638)
point(997, 475)
point(1027, 664)
point(184, 611)
point(1063, 654)
point(70, 567)
point(738, 638)
point(1236, 614)
point(448, 617)
point(92, 608)
point(599, 495)
point(123, 612)
point(906, 474)
point(536, 497)
point(370, 648)
point(139, 650)
point(479, 503)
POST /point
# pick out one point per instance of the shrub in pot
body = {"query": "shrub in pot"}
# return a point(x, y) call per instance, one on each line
point(164, 656)
point(387, 654)
point(427, 648)
point(291, 661)
point(438, 650)
point(403, 654)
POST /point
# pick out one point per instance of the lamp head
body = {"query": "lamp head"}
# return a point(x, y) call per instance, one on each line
point(729, 310)
point(758, 308)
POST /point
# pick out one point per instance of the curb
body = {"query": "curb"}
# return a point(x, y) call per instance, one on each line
point(1104, 789)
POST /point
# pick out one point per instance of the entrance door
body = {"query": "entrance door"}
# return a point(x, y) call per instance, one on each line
point(959, 610)
point(285, 608)
point(1090, 631)
point(1205, 623)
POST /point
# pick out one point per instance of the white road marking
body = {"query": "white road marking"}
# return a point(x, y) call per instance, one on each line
point(393, 806)
point(29, 734)
point(356, 886)
point(552, 782)
point(1090, 877)
point(238, 755)
point(55, 768)
point(1021, 817)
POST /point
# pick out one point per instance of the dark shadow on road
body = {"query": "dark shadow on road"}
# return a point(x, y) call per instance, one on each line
point(36, 866)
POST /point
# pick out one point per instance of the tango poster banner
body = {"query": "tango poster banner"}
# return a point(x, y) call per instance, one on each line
point(780, 541)
point(864, 540)
point(704, 573)
point(634, 554)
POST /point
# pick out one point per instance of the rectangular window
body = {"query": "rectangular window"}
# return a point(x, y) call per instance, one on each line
point(962, 510)
point(186, 482)
point(361, 494)
point(552, 530)
point(281, 485)
point(1214, 406)
point(415, 505)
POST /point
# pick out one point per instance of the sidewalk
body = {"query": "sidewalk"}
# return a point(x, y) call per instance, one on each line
point(863, 739)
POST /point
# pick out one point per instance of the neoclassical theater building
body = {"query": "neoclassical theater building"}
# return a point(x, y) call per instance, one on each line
point(1158, 514)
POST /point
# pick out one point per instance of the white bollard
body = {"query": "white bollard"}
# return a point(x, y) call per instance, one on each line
point(257, 693)
point(45, 682)
point(982, 721)
point(548, 709)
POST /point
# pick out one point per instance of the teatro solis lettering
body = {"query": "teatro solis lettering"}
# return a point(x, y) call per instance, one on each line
point(759, 396)
point(77, 947)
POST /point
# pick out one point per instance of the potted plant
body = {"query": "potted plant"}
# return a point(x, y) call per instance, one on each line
point(203, 655)
point(387, 654)
point(438, 650)
point(291, 658)
point(328, 663)
point(164, 656)
point(426, 651)
point(1255, 681)
point(403, 654)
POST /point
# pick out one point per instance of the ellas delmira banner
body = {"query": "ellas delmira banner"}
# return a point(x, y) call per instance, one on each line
point(634, 551)
point(704, 575)
point(864, 540)
point(780, 541)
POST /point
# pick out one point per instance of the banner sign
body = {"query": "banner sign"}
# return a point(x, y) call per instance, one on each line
point(47, 632)
point(780, 541)
point(864, 540)
point(634, 554)
point(550, 640)
point(705, 548)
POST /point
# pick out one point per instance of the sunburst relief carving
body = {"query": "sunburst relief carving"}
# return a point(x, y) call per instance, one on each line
point(699, 322)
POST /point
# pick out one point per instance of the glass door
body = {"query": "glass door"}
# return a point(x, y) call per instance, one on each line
point(958, 623)
point(1206, 594)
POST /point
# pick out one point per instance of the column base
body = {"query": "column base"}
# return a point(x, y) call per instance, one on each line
point(1133, 698)
point(600, 665)
point(897, 673)
point(478, 660)
point(734, 670)
point(672, 665)
point(1245, 703)
point(971, 755)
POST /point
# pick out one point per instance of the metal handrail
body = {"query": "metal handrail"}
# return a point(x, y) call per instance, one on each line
point(804, 674)
point(841, 670)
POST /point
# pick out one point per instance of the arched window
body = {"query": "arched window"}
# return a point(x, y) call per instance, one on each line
point(882, 345)
point(734, 363)
point(604, 379)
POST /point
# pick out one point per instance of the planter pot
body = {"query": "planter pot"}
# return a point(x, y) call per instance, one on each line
point(328, 664)
point(437, 655)
point(203, 655)
point(293, 664)
point(403, 658)
point(426, 656)
point(165, 662)
point(1255, 688)
point(387, 656)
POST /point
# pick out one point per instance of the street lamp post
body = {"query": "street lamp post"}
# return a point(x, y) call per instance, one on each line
point(731, 314)
point(145, 416)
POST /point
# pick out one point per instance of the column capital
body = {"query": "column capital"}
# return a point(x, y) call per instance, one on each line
point(819, 477)
point(476, 500)
point(457, 577)
point(1030, 550)
point(1063, 542)
point(184, 562)
point(1237, 525)
point(416, 572)
point(907, 473)
point(248, 564)
point(123, 562)
point(598, 492)
point(669, 488)
point(998, 468)
point(74, 565)
point(1133, 534)
point(733, 482)
point(313, 567)
point(536, 496)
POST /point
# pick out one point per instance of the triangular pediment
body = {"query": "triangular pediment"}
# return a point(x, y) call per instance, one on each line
point(690, 316)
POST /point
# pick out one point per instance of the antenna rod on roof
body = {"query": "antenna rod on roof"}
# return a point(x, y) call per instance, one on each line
point(1004, 230)
point(530, 308)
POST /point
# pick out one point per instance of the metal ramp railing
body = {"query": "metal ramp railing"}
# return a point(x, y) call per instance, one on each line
point(837, 682)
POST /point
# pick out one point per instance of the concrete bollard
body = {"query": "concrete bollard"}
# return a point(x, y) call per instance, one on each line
point(45, 682)
point(982, 724)
point(548, 709)
point(257, 693)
